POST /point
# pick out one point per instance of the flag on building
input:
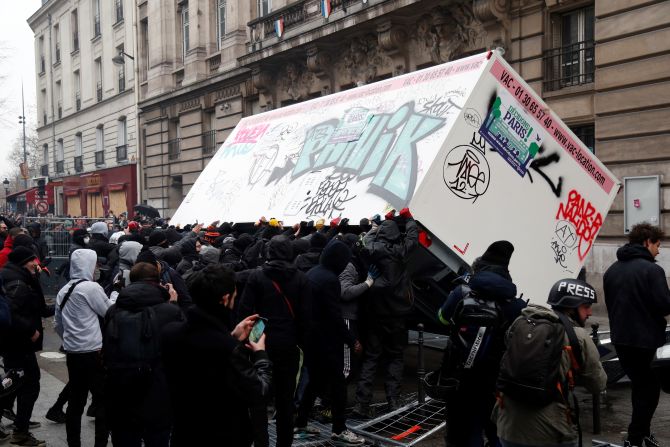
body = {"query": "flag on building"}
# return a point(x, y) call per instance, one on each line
point(279, 27)
point(325, 8)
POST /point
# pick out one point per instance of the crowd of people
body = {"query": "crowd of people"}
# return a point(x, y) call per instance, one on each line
point(155, 323)
point(188, 336)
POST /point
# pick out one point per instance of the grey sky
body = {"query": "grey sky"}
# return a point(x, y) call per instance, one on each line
point(16, 41)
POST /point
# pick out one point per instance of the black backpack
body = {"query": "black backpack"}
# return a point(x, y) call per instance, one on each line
point(131, 341)
point(478, 332)
point(530, 367)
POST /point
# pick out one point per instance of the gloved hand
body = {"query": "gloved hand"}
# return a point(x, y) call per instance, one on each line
point(405, 214)
point(335, 222)
point(344, 223)
point(373, 273)
point(376, 219)
point(390, 215)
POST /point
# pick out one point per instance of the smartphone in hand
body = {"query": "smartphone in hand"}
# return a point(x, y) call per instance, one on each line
point(257, 330)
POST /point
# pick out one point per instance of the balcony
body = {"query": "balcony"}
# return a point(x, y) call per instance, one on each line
point(78, 164)
point(96, 26)
point(214, 62)
point(75, 42)
point(77, 101)
point(208, 142)
point(98, 91)
point(57, 54)
point(60, 110)
point(264, 27)
point(174, 149)
point(569, 66)
point(44, 170)
point(122, 152)
point(122, 82)
point(60, 167)
point(99, 158)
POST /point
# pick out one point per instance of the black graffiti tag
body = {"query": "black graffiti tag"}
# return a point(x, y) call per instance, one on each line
point(559, 253)
point(466, 171)
point(330, 196)
point(438, 105)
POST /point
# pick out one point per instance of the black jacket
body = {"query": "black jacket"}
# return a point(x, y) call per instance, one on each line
point(637, 298)
point(213, 380)
point(287, 311)
point(390, 296)
point(145, 407)
point(100, 244)
point(328, 332)
point(27, 307)
point(306, 261)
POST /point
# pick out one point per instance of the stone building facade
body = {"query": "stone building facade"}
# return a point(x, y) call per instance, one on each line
point(86, 104)
point(602, 65)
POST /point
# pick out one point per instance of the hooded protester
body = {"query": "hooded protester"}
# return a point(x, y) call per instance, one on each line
point(99, 241)
point(168, 275)
point(389, 301)
point(79, 305)
point(4, 229)
point(80, 238)
point(158, 242)
point(324, 348)
point(41, 247)
point(128, 252)
point(233, 255)
point(469, 409)
point(223, 377)
point(306, 261)
point(190, 252)
point(281, 293)
point(138, 404)
point(172, 257)
point(25, 335)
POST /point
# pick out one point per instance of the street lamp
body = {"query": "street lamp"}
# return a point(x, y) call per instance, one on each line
point(118, 59)
point(22, 120)
point(6, 183)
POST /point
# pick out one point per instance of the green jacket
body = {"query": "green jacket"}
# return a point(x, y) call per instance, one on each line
point(523, 424)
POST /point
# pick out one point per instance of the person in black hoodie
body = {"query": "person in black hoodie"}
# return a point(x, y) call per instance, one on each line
point(213, 378)
point(388, 304)
point(281, 293)
point(25, 335)
point(638, 299)
point(138, 405)
point(306, 261)
point(469, 409)
point(324, 348)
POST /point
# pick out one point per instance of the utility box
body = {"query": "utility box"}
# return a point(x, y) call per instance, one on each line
point(474, 153)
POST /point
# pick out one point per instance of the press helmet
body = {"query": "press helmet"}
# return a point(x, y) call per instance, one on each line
point(571, 293)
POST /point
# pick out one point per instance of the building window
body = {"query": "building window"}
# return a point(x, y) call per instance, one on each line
point(44, 169)
point(78, 161)
point(174, 149)
point(185, 44)
point(118, 7)
point(121, 140)
point(59, 99)
point(586, 133)
point(220, 22)
point(264, 7)
point(99, 146)
point(96, 18)
point(122, 70)
point(144, 50)
point(56, 44)
point(77, 91)
point(571, 59)
point(60, 156)
point(98, 78)
point(74, 24)
point(41, 50)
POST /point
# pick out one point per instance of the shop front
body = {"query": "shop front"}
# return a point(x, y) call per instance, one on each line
point(37, 201)
point(98, 193)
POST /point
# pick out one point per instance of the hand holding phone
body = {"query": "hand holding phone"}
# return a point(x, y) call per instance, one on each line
point(257, 330)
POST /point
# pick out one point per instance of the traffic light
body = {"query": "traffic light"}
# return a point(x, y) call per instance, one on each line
point(40, 187)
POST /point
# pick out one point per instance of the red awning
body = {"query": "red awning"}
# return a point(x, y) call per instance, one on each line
point(19, 193)
point(116, 187)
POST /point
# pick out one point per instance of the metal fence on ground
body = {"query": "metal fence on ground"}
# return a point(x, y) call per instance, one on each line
point(57, 232)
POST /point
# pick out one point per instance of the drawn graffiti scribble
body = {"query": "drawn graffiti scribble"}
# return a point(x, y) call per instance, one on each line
point(472, 118)
point(279, 173)
point(264, 159)
point(586, 219)
point(250, 134)
point(466, 171)
point(330, 196)
point(438, 105)
point(388, 142)
point(559, 253)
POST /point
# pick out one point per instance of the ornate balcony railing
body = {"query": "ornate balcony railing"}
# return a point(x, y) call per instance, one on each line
point(290, 15)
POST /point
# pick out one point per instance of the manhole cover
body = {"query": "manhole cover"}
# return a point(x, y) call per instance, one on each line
point(52, 355)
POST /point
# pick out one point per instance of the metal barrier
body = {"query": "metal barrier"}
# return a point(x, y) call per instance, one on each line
point(57, 232)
